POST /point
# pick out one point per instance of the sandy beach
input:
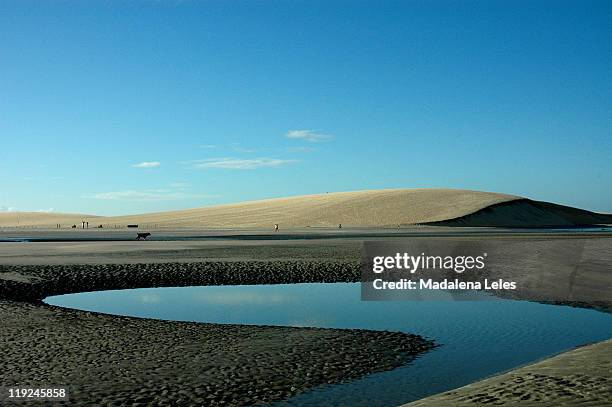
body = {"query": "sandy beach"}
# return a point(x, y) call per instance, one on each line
point(144, 362)
point(131, 360)
point(135, 360)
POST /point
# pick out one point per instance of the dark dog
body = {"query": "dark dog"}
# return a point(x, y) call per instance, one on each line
point(143, 236)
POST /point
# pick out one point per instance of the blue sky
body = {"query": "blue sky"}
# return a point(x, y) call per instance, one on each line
point(136, 106)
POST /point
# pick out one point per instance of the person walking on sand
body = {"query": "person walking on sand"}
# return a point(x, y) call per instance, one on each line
point(276, 227)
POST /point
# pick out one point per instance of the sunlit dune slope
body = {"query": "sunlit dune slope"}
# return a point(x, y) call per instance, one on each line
point(44, 219)
point(362, 208)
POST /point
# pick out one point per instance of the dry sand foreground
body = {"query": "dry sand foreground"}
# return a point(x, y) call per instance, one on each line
point(375, 208)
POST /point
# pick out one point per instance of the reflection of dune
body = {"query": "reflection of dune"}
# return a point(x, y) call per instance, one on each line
point(236, 297)
point(362, 208)
point(309, 322)
point(149, 298)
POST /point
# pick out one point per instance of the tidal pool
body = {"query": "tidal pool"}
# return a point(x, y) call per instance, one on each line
point(477, 338)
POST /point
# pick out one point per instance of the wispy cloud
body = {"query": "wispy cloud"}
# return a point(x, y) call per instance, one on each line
point(240, 164)
point(239, 149)
point(308, 135)
point(13, 209)
point(148, 195)
point(303, 149)
point(180, 185)
point(147, 164)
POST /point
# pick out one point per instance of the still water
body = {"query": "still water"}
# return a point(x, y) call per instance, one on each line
point(478, 338)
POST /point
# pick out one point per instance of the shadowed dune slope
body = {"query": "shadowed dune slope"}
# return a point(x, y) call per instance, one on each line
point(528, 213)
point(362, 208)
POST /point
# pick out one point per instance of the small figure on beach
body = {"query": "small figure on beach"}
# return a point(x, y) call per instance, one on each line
point(276, 227)
point(73, 226)
point(339, 225)
point(143, 235)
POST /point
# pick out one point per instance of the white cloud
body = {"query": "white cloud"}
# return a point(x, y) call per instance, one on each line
point(210, 146)
point(308, 135)
point(48, 210)
point(7, 209)
point(148, 195)
point(147, 164)
point(240, 164)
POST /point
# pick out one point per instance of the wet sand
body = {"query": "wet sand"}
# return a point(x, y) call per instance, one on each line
point(110, 359)
point(107, 359)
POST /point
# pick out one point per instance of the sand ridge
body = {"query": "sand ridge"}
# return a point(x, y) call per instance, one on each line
point(373, 208)
point(388, 207)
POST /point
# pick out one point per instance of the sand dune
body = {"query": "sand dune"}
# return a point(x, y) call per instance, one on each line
point(44, 219)
point(362, 208)
point(528, 213)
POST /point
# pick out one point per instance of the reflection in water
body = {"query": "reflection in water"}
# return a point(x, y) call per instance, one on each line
point(478, 338)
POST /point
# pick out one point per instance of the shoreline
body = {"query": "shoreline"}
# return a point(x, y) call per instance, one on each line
point(580, 376)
